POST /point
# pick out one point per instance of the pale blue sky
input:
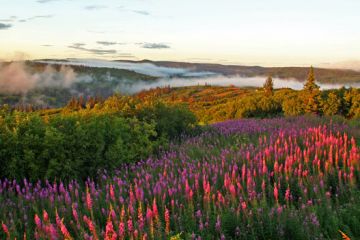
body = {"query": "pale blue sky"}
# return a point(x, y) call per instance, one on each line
point(257, 32)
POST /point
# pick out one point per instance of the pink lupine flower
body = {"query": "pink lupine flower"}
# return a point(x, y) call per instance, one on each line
point(155, 209)
point(89, 202)
point(276, 193)
point(140, 218)
point(130, 225)
point(243, 205)
point(112, 193)
point(37, 221)
point(121, 230)
point(62, 227)
point(52, 232)
point(149, 214)
point(110, 233)
point(91, 226)
point(167, 221)
point(74, 213)
point(6, 230)
point(65, 232)
point(218, 224)
point(232, 190)
point(45, 216)
point(287, 194)
point(263, 186)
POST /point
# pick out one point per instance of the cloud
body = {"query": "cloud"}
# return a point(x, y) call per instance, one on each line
point(140, 12)
point(47, 45)
point(78, 45)
point(46, 1)
point(10, 19)
point(35, 17)
point(94, 7)
point(145, 13)
point(106, 43)
point(4, 26)
point(81, 47)
point(154, 45)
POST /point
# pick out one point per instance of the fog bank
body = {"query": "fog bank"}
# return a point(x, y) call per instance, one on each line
point(16, 77)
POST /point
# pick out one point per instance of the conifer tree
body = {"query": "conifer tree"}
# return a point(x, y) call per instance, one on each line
point(269, 86)
point(311, 94)
point(310, 84)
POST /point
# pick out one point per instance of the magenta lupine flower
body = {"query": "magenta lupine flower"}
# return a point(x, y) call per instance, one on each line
point(112, 193)
point(6, 230)
point(276, 193)
point(287, 194)
point(52, 232)
point(149, 214)
point(167, 221)
point(155, 210)
point(45, 216)
point(121, 230)
point(110, 233)
point(65, 232)
point(232, 190)
point(74, 213)
point(218, 224)
point(88, 199)
point(243, 206)
point(91, 226)
point(37, 221)
point(130, 225)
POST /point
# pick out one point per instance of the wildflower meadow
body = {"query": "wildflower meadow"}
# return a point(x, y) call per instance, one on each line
point(295, 178)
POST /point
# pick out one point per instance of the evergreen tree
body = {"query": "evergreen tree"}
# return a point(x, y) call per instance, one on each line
point(269, 86)
point(331, 105)
point(311, 93)
point(310, 84)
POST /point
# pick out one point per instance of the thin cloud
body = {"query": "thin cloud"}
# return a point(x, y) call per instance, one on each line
point(155, 45)
point(49, 1)
point(141, 12)
point(47, 45)
point(10, 19)
point(106, 43)
point(109, 43)
point(36, 17)
point(4, 26)
point(94, 7)
point(79, 44)
point(81, 47)
point(46, 1)
point(123, 55)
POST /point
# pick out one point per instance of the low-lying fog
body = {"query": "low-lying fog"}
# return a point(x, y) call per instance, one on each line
point(179, 77)
point(221, 80)
point(16, 77)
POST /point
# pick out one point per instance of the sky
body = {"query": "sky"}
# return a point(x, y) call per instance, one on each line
point(256, 32)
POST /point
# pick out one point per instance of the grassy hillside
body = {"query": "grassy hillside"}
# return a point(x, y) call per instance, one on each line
point(215, 104)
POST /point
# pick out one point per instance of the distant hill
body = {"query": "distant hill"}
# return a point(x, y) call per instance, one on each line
point(323, 75)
